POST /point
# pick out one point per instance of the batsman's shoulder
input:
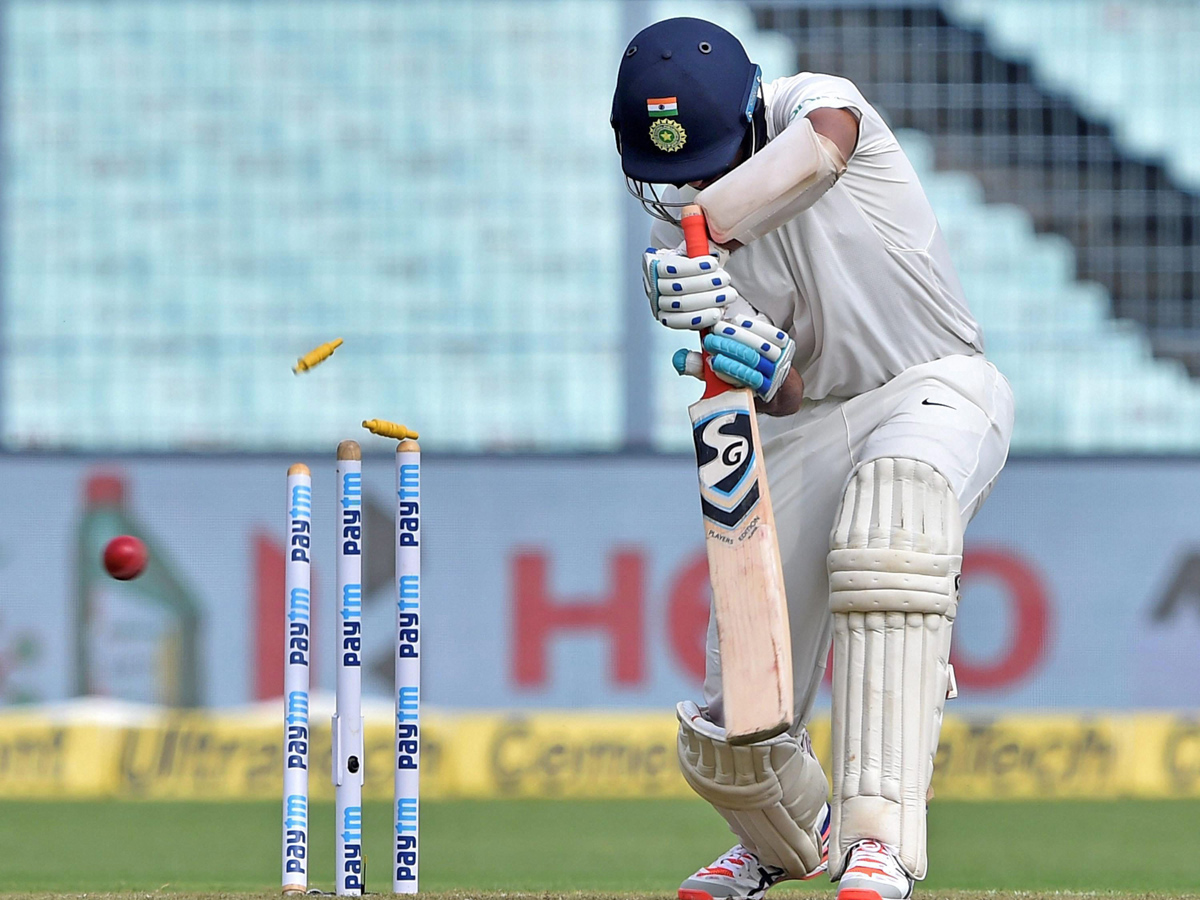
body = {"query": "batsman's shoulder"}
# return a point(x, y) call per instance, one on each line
point(798, 95)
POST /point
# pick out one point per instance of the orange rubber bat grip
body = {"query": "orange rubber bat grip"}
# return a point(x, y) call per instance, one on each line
point(695, 236)
point(695, 230)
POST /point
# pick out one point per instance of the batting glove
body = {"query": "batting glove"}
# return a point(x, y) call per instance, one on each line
point(746, 352)
point(684, 293)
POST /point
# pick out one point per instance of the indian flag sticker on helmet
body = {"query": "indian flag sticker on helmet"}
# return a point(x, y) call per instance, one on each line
point(667, 135)
point(659, 107)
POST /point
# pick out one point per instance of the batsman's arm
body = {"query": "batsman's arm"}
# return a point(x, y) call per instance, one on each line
point(788, 399)
point(784, 178)
point(839, 125)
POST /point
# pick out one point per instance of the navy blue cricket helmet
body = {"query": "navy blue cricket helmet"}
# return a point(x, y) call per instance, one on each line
point(686, 102)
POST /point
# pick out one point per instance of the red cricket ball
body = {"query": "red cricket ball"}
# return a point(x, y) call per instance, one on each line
point(125, 557)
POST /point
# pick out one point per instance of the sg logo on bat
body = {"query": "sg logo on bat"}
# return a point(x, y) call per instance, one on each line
point(727, 462)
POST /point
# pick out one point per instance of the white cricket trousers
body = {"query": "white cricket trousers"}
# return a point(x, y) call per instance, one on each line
point(955, 414)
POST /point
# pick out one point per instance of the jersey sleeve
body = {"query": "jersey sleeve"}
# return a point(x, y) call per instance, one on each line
point(798, 95)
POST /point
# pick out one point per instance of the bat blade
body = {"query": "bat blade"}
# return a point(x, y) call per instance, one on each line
point(744, 568)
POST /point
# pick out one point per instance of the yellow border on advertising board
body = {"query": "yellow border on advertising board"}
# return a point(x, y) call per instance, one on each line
point(571, 754)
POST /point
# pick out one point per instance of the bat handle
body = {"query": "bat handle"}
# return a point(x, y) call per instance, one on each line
point(695, 236)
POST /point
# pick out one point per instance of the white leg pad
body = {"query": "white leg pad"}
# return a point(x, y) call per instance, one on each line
point(894, 568)
point(772, 793)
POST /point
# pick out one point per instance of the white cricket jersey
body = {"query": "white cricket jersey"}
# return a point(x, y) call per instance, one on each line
point(862, 280)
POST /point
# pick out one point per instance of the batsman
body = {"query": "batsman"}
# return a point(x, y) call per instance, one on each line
point(829, 292)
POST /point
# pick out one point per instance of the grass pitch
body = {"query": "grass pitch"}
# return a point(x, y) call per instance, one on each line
point(582, 849)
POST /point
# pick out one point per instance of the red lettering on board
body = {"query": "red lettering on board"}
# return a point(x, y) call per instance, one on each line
point(537, 617)
point(1030, 610)
point(687, 615)
point(269, 609)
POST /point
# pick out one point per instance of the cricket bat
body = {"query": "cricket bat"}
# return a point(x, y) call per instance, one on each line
point(743, 550)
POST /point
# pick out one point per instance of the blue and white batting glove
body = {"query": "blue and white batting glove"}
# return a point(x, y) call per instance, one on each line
point(688, 294)
point(747, 352)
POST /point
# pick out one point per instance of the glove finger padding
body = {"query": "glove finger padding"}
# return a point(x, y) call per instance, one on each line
point(758, 335)
point(738, 373)
point(677, 285)
point(749, 351)
point(676, 264)
point(691, 321)
point(737, 364)
point(719, 344)
point(772, 793)
point(699, 299)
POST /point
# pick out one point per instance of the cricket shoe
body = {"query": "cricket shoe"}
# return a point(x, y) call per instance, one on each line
point(873, 873)
point(740, 875)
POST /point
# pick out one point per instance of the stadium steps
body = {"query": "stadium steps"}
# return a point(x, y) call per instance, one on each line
point(1131, 65)
point(1135, 227)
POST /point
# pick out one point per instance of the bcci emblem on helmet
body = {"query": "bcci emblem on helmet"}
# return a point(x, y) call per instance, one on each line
point(667, 135)
point(688, 101)
point(725, 458)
